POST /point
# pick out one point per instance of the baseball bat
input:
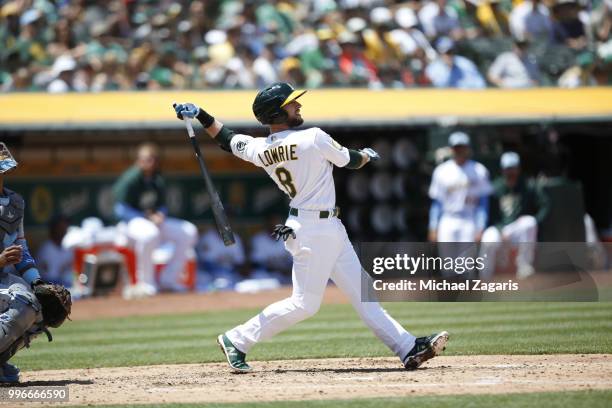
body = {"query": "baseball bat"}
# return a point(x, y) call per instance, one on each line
point(223, 226)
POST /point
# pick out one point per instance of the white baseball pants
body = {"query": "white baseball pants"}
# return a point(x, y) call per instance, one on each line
point(453, 229)
point(321, 250)
point(523, 232)
point(456, 229)
point(147, 236)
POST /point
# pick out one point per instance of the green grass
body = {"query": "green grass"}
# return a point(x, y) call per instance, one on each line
point(591, 399)
point(336, 331)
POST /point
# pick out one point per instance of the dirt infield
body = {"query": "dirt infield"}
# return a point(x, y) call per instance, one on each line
point(330, 379)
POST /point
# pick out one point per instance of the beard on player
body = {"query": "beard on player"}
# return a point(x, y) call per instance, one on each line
point(294, 118)
point(295, 121)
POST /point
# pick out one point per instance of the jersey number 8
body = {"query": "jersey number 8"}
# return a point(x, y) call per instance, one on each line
point(285, 179)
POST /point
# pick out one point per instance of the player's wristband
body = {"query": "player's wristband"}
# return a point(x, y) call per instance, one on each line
point(205, 118)
point(355, 160)
point(31, 275)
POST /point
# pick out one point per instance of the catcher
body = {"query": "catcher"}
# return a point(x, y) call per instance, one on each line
point(28, 306)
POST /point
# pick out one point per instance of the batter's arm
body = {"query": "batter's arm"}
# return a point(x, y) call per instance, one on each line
point(357, 159)
point(216, 129)
point(243, 146)
point(360, 158)
point(213, 127)
point(341, 156)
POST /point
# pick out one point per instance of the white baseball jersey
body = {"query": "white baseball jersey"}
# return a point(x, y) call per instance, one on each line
point(300, 163)
point(459, 188)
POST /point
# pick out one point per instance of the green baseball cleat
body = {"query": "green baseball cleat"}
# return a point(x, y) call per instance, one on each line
point(425, 348)
point(235, 357)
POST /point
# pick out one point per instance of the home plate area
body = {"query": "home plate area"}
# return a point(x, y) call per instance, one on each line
point(317, 379)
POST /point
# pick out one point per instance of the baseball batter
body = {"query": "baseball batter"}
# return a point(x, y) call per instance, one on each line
point(27, 304)
point(300, 161)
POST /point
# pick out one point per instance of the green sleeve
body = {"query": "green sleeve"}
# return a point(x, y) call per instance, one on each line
point(121, 188)
point(224, 137)
point(542, 205)
point(355, 159)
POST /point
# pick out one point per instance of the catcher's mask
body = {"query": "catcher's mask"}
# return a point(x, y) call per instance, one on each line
point(269, 102)
point(7, 162)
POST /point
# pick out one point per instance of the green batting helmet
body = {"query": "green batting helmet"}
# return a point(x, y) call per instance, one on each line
point(269, 102)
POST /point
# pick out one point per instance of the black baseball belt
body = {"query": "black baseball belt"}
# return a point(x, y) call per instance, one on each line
point(322, 214)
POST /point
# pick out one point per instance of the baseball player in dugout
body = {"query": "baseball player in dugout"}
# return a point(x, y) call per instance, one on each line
point(140, 203)
point(515, 211)
point(28, 306)
point(459, 193)
point(300, 161)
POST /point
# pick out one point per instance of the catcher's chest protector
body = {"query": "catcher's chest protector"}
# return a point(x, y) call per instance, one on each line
point(11, 214)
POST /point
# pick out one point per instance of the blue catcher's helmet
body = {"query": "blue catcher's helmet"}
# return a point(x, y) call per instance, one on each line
point(7, 162)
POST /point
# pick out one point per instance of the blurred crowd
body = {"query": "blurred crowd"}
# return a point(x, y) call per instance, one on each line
point(93, 45)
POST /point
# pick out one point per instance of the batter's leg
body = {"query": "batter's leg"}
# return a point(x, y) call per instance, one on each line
point(314, 254)
point(347, 275)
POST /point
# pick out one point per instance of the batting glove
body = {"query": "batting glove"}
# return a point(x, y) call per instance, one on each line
point(371, 153)
point(282, 231)
point(186, 110)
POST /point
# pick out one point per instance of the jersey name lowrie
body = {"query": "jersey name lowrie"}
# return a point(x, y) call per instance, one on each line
point(278, 154)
